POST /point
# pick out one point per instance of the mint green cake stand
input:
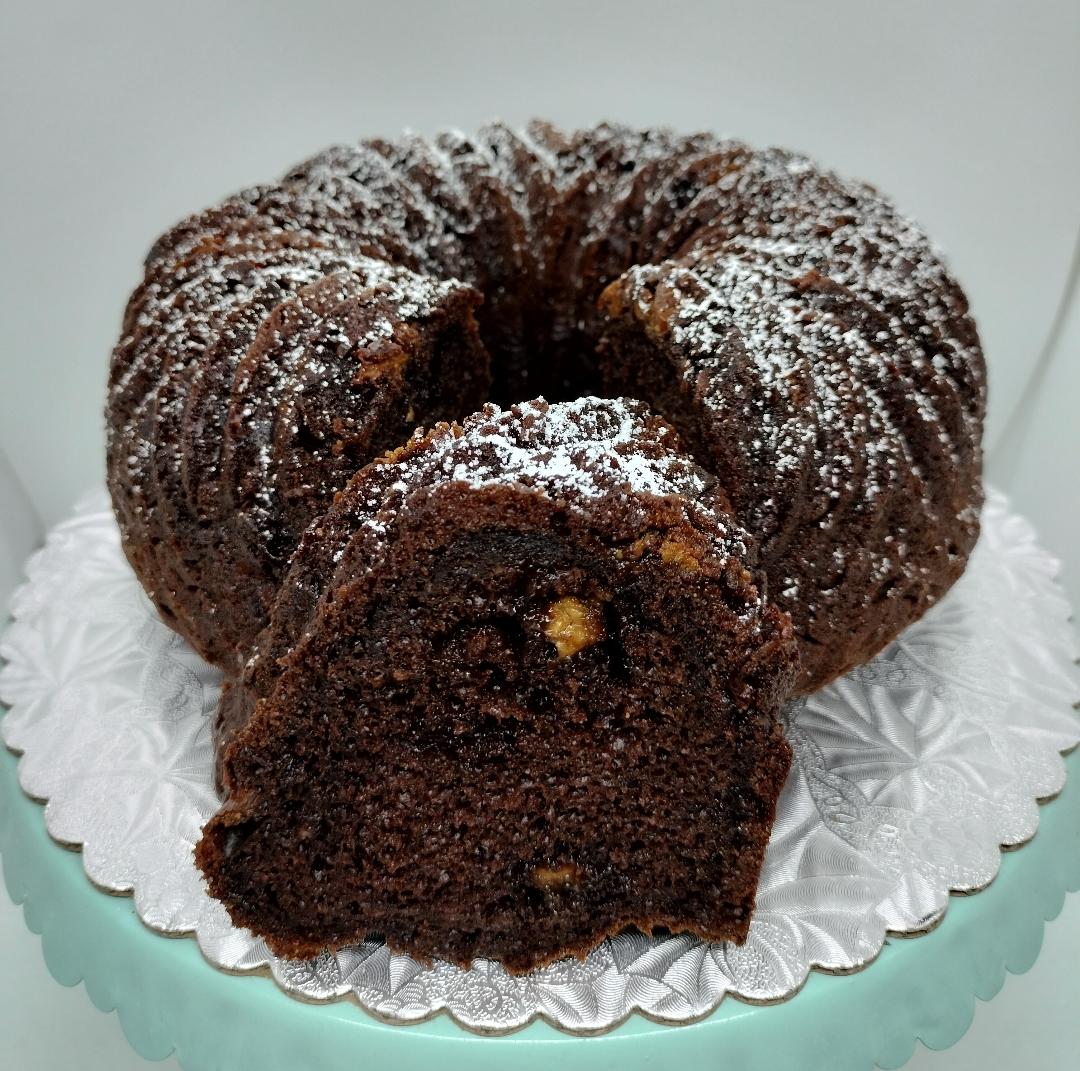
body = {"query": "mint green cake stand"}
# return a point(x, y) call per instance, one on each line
point(169, 999)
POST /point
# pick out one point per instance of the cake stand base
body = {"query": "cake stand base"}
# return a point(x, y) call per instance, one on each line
point(169, 999)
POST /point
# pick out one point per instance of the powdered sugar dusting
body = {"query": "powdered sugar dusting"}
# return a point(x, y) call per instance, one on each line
point(817, 329)
point(573, 453)
point(580, 449)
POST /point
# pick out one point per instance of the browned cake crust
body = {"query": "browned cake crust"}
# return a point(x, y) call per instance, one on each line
point(806, 341)
point(804, 337)
point(519, 693)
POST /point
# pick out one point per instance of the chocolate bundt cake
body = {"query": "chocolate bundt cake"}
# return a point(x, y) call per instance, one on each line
point(528, 659)
point(805, 340)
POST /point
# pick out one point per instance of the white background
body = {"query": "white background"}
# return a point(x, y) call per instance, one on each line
point(118, 118)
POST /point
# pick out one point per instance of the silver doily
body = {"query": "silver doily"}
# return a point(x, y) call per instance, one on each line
point(909, 775)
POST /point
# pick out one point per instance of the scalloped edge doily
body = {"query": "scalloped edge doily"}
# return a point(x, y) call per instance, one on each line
point(169, 1000)
point(1034, 567)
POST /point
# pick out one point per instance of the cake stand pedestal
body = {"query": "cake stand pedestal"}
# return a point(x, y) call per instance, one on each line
point(169, 999)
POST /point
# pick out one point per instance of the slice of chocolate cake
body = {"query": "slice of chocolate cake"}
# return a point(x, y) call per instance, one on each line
point(519, 691)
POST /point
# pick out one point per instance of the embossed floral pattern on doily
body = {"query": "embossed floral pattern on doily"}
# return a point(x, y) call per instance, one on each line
point(909, 775)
